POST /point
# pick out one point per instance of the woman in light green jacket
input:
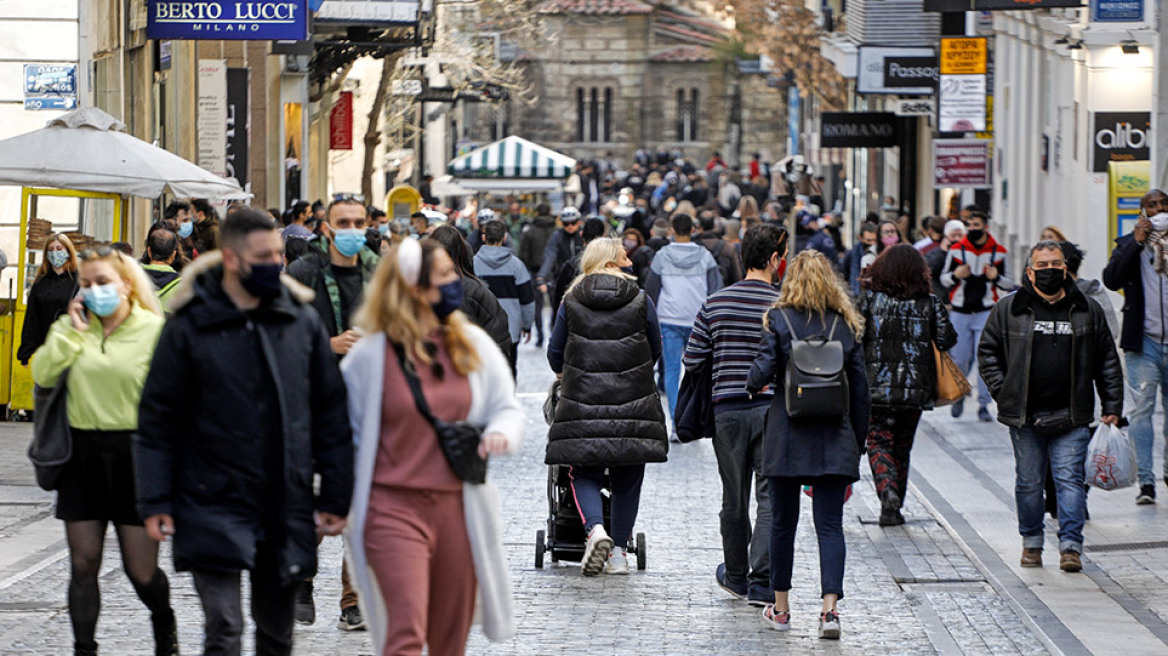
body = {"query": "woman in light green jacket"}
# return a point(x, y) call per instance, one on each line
point(105, 342)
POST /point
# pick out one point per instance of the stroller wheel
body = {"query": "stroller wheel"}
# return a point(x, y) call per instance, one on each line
point(641, 551)
point(540, 549)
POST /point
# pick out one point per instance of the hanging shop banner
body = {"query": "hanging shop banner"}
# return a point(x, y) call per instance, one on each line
point(212, 116)
point(961, 163)
point(395, 12)
point(963, 55)
point(237, 125)
point(859, 130)
point(904, 71)
point(961, 103)
point(253, 20)
point(1120, 137)
point(997, 5)
point(915, 107)
point(1117, 11)
point(341, 123)
point(1128, 182)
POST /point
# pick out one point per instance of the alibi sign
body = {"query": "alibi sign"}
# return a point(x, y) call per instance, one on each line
point(253, 20)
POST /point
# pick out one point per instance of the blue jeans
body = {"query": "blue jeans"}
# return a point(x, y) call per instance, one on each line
point(673, 339)
point(738, 448)
point(964, 353)
point(625, 486)
point(1067, 455)
point(1146, 371)
point(827, 507)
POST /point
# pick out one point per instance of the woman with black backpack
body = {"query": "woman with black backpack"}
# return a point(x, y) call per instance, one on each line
point(902, 320)
point(816, 426)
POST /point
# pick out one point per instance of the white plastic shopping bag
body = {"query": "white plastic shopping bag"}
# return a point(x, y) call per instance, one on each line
point(1111, 459)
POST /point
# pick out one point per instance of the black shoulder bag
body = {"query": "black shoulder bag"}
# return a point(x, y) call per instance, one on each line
point(52, 442)
point(459, 439)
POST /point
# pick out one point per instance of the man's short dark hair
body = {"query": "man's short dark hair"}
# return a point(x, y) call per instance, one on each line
point(543, 209)
point(239, 226)
point(706, 220)
point(1046, 245)
point(762, 240)
point(868, 227)
point(201, 205)
point(124, 247)
point(328, 214)
point(299, 208)
point(593, 228)
point(175, 206)
point(682, 225)
point(1073, 256)
point(494, 233)
point(376, 214)
point(161, 245)
point(936, 224)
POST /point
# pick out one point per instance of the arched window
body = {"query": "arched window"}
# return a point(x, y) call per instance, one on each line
point(594, 114)
point(687, 114)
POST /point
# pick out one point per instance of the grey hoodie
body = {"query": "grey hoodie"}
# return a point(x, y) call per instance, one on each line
point(1094, 290)
point(510, 282)
point(680, 279)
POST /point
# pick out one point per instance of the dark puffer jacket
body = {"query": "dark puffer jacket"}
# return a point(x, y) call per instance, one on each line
point(898, 347)
point(483, 309)
point(609, 413)
point(1003, 357)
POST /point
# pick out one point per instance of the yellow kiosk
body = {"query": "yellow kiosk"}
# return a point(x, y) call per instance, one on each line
point(402, 201)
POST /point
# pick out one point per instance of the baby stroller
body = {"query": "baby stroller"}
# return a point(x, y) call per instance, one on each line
point(564, 538)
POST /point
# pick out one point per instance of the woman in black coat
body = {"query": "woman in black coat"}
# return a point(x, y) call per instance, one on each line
point(52, 289)
point(902, 320)
point(478, 303)
point(609, 416)
point(823, 452)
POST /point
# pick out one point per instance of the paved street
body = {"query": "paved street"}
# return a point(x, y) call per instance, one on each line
point(946, 582)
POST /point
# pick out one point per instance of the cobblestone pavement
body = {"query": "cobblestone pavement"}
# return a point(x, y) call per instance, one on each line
point(910, 590)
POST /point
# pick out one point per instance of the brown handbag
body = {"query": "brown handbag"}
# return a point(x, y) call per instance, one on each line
point(952, 385)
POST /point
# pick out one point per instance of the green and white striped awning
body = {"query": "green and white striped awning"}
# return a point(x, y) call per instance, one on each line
point(513, 157)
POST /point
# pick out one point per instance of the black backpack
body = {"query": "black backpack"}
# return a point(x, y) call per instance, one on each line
point(815, 381)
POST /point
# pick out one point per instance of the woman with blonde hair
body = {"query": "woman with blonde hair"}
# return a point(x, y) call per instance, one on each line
point(747, 211)
point(421, 539)
point(105, 344)
point(1052, 233)
point(53, 287)
point(609, 416)
point(822, 450)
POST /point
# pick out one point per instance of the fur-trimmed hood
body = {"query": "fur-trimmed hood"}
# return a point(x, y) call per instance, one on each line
point(210, 266)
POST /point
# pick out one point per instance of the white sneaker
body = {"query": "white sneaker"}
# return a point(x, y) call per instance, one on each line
point(596, 551)
point(618, 562)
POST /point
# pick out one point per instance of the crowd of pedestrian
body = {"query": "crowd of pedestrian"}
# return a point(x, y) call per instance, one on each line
point(254, 384)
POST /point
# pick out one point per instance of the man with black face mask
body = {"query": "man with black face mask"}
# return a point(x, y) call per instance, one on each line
point(1045, 352)
point(243, 405)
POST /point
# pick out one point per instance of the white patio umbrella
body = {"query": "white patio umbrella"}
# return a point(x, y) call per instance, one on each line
point(89, 150)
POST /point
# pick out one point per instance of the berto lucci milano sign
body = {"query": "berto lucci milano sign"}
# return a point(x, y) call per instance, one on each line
point(254, 20)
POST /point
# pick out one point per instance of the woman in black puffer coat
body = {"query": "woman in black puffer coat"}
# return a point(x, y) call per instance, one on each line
point(609, 416)
point(902, 321)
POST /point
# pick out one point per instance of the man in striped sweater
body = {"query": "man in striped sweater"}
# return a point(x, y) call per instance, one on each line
point(727, 332)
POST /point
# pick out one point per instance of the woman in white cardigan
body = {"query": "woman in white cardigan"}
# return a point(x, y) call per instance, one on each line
point(420, 540)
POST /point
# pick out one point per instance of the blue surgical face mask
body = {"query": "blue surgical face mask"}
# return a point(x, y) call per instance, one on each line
point(349, 241)
point(58, 258)
point(451, 299)
point(185, 229)
point(383, 229)
point(102, 300)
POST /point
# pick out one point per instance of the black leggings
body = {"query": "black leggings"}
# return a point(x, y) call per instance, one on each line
point(140, 560)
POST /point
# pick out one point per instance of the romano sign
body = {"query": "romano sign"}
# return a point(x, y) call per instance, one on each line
point(902, 71)
point(859, 130)
point(254, 20)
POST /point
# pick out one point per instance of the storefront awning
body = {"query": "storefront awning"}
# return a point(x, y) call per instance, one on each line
point(511, 158)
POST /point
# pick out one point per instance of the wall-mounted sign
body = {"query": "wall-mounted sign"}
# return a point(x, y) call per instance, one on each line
point(211, 120)
point(963, 55)
point(859, 130)
point(1128, 182)
point(50, 86)
point(905, 71)
point(254, 20)
point(997, 5)
point(1117, 11)
point(915, 107)
point(961, 103)
point(237, 125)
point(1120, 137)
point(341, 123)
point(368, 11)
point(961, 163)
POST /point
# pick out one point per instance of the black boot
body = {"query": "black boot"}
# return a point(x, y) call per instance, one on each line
point(165, 635)
point(890, 508)
point(89, 649)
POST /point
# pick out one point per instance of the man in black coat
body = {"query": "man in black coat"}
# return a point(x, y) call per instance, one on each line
point(243, 405)
point(1044, 354)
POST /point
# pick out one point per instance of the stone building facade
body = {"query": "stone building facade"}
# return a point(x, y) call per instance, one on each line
point(620, 75)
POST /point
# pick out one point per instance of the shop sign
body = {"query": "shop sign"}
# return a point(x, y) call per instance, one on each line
point(963, 56)
point(961, 163)
point(915, 107)
point(859, 130)
point(1117, 11)
point(903, 71)
point(997, 5)
point(368, 11)
point(50, 86)
point(341, 123)
point(253, 20)
point(211, 120)
point(1120, 137)
point(1127, 183)
point(237, 125)
point(961, 103)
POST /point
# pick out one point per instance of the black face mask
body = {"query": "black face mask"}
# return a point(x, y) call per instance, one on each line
point(976, 234)
point(1049, 281)
point(263, 280)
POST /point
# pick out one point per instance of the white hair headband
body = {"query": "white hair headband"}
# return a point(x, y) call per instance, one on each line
point(409, 260)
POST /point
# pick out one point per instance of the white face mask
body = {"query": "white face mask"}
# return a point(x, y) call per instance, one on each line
point(1159, 222)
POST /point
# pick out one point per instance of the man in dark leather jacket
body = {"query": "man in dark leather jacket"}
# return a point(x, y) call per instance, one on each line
point(1045, 352)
